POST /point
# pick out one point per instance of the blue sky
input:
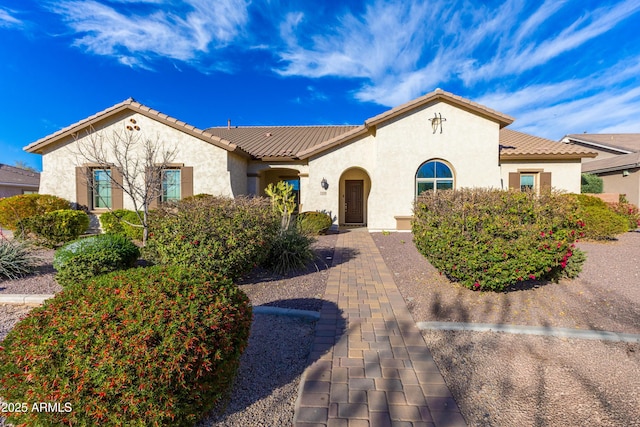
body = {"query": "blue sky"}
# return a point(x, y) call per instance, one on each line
point(557, 66)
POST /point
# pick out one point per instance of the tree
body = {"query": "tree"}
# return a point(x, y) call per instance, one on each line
point(23, 165)
point(138, 163)
point(591, 184)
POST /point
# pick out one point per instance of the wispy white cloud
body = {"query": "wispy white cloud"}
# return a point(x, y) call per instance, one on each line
point(136, 35)
point(606, 101)
point(7, 18)
point(402, 50)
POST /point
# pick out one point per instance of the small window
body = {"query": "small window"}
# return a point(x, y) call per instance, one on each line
point(101, 189)
point(170, 185)
point(433, 175)
point(527, 182)
point(295, 183)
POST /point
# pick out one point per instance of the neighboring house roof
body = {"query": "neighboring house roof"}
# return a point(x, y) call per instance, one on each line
point(18, 177)
point(131, 104)
point(265, 142)
point(611, 164)
point(517, 145)
point(623, 142)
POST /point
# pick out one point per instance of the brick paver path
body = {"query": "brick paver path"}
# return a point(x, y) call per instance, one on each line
point(370, 366)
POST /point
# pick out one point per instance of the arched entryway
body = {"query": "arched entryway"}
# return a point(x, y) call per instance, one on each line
point(355, 186)
point(290, 176)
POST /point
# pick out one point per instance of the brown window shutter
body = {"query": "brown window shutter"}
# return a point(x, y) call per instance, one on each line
point(117, 201)
point(545, 181)
point(514, 180)
point(186, 182)
point(82, 187)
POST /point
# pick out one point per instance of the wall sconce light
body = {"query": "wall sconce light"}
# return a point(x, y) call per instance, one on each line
point(625, 173)
point(324, 184)
point(437, 122)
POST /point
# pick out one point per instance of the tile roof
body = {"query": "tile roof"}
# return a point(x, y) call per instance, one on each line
point(131, 104)
point(610, 164)
point(11, 175)
point(518, 145)
point(278, 141)
point(629, 142)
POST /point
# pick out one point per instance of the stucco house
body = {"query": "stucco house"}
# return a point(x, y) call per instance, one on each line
point(14, 181)
point(617, 162)
point(366, 174)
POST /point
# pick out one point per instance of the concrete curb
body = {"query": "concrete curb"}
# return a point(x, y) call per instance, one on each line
point(29, 299)
point(310, 316)
point(532, 330)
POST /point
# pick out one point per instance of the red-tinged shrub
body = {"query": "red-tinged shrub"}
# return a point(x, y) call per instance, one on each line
point(492, 239)
point(140, 347)
point(15, 208)
point(601, 221)
point(629, 211)
point(217, 234)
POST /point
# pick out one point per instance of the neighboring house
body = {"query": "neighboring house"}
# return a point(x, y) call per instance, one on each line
point(617, 163)
point(367, 175)
point(14, 181)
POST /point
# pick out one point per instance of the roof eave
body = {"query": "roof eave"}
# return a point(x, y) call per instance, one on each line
point(546, 156)
point(598, 145)
point(440, 95)
point(612, 168)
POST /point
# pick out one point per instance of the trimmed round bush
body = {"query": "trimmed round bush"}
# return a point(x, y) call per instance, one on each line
point(601, 222)
point(144, 347)
point(85, 258)
point(216, 234)
point(55, 228)
point(492, 239)
point(314, 223)
point(118, 222)
point(15, 208)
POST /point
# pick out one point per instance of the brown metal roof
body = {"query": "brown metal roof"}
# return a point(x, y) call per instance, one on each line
point(131, 104)
point(615, 163)
point(629, 142)
point(11, 175)
point(518, 145)
point(278, 141)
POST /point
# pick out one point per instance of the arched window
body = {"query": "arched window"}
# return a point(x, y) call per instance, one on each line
point(433, 175)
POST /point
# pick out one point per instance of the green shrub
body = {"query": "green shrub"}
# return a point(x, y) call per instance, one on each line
point(144, 347)
point(290, 251)
point(85, 258)
point(591, 183)
point(119, 222)
point(227, 236)
point(16, 259)
point(16, 208)
point(314, 223)
point(601, 222)
point(55, 228)
point(491, 239)
point(629, 211)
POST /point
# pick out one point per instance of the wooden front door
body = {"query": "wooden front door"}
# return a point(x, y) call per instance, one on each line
point(353, 201)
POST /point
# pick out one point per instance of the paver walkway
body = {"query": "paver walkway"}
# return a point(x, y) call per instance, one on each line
point(370, 365)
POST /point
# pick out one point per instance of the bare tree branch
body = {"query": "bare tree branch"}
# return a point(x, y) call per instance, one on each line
point(131, 156)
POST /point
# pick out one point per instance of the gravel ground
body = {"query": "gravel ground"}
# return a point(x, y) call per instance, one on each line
point(266, 388)
point(519, 380)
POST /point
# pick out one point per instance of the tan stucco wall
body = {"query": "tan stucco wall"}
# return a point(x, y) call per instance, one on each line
point(391, 158)
point(614, 182)
point(565, 175)
point(215, 170)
